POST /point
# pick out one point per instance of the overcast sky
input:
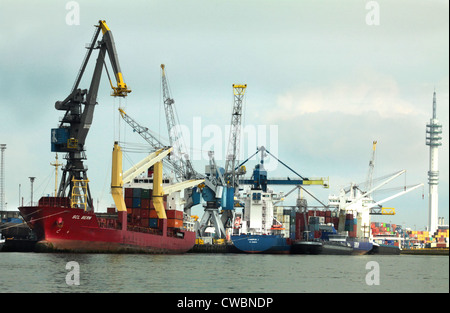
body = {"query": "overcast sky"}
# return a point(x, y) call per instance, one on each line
point(329, 77)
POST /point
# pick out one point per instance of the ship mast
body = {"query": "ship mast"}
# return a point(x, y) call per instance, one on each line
point(56, 165)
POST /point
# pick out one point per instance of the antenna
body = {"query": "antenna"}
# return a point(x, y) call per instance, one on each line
point(2, 177)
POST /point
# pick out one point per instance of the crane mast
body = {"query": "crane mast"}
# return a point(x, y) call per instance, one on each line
point(79, 107)
point(175, 136)
point(369, 179)
point(232, 158)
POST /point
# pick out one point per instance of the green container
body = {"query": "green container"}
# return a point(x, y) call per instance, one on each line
point(146, 193)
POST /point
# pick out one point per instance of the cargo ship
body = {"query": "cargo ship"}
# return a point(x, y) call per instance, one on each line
point(60, 224)
point(258, 231)
point(317, 234)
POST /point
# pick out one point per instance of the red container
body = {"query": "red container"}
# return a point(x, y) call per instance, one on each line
point(136, 213)
point(111, 210)
point(144, 222)
point(145, 213)
point(174, 214)
point(145, 203)
point(152, 213)
point(129, 202)
point(327, 219)
point(327, 213)
point(128, 192)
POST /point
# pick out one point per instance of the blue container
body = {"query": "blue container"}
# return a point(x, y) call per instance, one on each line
point(153, 222)
point(137, 192)
point(136, 202)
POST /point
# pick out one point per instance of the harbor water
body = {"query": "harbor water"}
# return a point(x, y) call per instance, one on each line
point(221, 273)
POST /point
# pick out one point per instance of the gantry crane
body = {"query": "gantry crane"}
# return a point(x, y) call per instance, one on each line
point(79, 107)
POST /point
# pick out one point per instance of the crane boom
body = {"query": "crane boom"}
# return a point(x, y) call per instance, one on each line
point(175, 136)
point(152, 140)
point(232, 158)
point(369, 179)
point(79, 107)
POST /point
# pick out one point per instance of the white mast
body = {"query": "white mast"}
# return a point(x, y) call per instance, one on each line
point(433, 139)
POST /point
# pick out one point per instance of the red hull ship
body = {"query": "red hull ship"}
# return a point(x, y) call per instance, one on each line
point(68, 222)
point(59, 227)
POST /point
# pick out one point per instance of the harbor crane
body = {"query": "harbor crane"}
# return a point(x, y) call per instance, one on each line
point(79, 107)
point(371, 167)
point(224, 182)
point(175, 136)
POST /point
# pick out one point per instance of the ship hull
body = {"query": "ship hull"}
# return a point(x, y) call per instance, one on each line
point(64, 229)
point(360, 247)
point(382, 249)
point(271, 244)
point(321, 247)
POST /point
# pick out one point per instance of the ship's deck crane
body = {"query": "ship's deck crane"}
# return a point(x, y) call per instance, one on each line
point(79, 107)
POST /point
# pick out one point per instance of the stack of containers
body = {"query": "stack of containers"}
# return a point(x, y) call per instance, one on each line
point(328, 218)
point(292, 232)
point(140, 209)
point(350, 225)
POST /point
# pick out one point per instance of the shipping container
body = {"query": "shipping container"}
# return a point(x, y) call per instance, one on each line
point(129, 202)
point(111, 210)
point(174, 214)
point(146, 193)
point(128, 192)
point(145, 203)
point(153, 213)
point(136, 213)
point(137, 192)
point(144, 222)
point(174, 223)
point(145, 213)
point(153, 222)
point(136, 202)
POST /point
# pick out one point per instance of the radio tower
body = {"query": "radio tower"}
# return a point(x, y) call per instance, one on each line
point(2, 177)
point(433, 139)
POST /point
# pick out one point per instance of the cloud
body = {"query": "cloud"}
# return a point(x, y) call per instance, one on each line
point(365, 93)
